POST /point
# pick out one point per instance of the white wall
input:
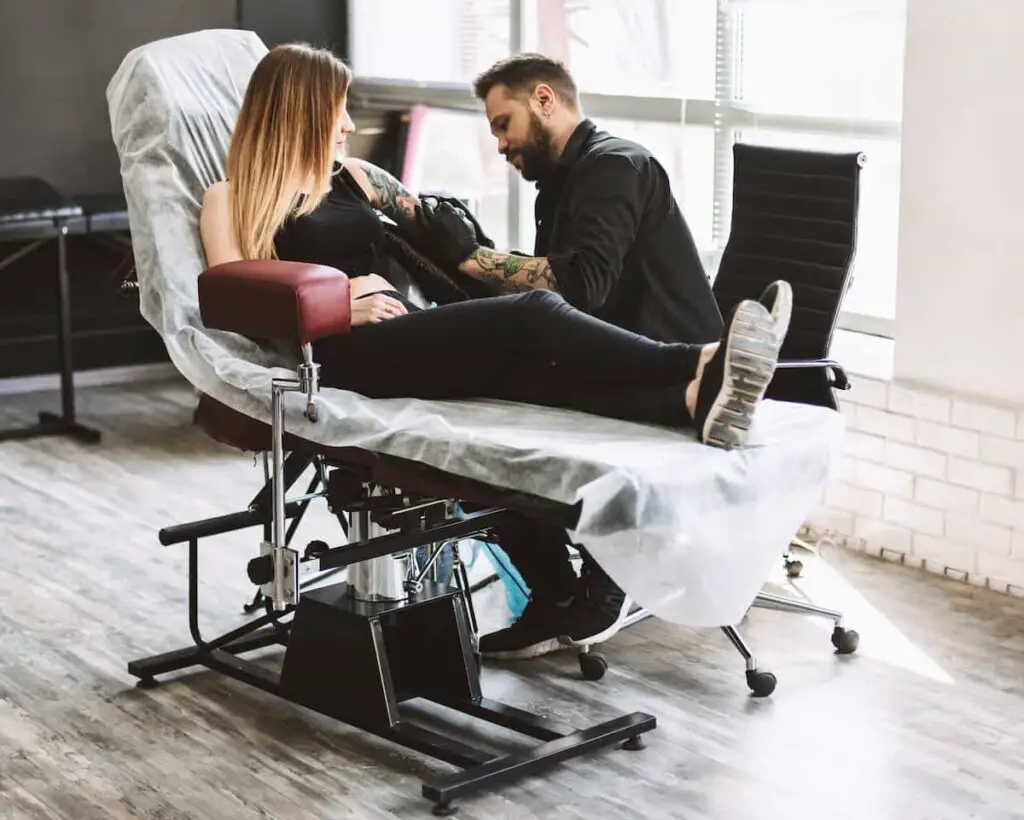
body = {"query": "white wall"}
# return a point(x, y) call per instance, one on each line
point(960, 297)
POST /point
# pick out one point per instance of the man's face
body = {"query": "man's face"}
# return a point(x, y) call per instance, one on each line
point(522, 138)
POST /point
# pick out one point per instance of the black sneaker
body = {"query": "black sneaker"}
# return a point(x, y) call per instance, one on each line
point(534, 634)
point(735, 379)
point(778, 301)
point(598, 612)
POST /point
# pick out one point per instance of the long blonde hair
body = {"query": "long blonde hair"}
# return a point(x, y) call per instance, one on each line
point(282, 150)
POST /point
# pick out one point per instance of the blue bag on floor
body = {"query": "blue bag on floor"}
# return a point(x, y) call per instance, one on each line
point(517, 593)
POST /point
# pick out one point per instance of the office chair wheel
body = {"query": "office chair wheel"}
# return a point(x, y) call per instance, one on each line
point(761, 682)
point(593, 665)
point(446, 808)
point(794, 568)
point(845, 641)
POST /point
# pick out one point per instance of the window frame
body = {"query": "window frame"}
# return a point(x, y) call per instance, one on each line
point(723, 114)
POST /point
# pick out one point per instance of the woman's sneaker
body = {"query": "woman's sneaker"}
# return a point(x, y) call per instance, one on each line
point(734, 380)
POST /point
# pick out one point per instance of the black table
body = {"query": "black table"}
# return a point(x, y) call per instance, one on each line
point(33, 211)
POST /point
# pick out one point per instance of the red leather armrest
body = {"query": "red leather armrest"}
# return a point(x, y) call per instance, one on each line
point(273, 299)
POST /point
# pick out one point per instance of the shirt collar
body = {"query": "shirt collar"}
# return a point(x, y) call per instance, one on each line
point(577, 140)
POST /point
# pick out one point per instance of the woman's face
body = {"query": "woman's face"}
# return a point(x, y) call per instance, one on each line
point(342, 128)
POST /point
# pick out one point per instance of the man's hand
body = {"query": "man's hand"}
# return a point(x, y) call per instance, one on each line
point(448, 237)
point(376, 308)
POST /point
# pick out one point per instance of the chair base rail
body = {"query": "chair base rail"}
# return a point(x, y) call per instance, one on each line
point(369, 664)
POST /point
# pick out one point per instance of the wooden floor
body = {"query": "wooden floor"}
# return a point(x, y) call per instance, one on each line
point(926, 721)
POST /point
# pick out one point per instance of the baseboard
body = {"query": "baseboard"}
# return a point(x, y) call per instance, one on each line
point(98, 377)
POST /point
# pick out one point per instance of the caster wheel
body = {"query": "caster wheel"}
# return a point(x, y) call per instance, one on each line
point(593, 665)
point(761, 683)
point(845, 640)
point(445, 809)
point(248, 609)
point(634, 744)
point(147, 683)
point(794, 568)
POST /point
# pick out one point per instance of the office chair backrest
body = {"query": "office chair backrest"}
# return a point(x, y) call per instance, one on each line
point(794, 217)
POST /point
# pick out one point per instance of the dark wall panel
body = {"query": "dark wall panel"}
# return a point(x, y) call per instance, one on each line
point(56, 58)
point(318, 22)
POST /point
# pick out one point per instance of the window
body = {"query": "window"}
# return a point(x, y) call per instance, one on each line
point(629, 47)
point(687, 78)
point(435, 41)
point(817, 58)
point(821, 75)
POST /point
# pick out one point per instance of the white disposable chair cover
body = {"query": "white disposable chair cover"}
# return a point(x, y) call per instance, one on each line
point(689, 531)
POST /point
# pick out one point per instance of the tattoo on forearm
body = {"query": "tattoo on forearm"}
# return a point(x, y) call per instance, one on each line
point(394, 200)
point(510, 272)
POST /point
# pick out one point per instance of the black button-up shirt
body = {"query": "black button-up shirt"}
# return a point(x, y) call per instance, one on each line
point(617, 242)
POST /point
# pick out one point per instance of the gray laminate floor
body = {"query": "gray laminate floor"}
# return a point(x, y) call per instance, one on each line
point(926, 721)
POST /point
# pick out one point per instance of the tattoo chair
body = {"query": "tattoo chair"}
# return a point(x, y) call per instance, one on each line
point(400, 472)
point(368, 650)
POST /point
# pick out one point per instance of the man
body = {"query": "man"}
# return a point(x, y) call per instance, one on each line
point(612, 241)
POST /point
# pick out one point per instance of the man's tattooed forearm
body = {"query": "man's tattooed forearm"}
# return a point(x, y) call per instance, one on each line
point(512, 273)
point(393, 199)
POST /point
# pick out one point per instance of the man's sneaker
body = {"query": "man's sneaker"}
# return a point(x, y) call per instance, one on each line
point(598, 613)
point(778, 301)
point(734, 380)
point(536, 633)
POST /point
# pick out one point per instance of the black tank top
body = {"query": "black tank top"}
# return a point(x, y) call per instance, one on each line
point(344, 232)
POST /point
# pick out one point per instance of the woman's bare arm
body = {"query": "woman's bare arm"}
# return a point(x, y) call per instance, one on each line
point(215, 227)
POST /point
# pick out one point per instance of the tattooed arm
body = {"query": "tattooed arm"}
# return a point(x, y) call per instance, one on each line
point(503, 271)
point(386, 194)
point(509, 272)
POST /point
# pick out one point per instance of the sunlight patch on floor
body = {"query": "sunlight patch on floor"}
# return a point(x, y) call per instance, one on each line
point(880, 638)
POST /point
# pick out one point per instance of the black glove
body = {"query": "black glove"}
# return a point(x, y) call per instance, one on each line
point(460, 208)
point(447, 235)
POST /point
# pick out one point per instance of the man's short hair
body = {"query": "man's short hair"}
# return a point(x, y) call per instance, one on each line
point(523, 73)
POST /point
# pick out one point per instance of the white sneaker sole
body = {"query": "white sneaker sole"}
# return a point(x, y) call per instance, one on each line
point(604, 634)
point(751, 353)
point(525, 653)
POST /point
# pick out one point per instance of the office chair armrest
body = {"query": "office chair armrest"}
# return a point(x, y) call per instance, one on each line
point(839, 381)
point(274, 299)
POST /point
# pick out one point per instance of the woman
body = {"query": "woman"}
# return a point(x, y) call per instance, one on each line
point(292, 194)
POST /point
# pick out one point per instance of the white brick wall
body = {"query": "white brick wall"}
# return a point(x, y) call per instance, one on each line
point(932, 480)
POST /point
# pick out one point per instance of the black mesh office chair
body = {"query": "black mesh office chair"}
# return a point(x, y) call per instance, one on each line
point(794, 217)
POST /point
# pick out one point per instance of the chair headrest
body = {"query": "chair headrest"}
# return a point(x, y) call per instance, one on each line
point(180, 96)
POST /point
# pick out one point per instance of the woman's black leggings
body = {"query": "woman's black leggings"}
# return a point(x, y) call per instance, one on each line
point(531, 347)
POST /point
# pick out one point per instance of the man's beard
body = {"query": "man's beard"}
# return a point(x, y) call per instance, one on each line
point(535, 155)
